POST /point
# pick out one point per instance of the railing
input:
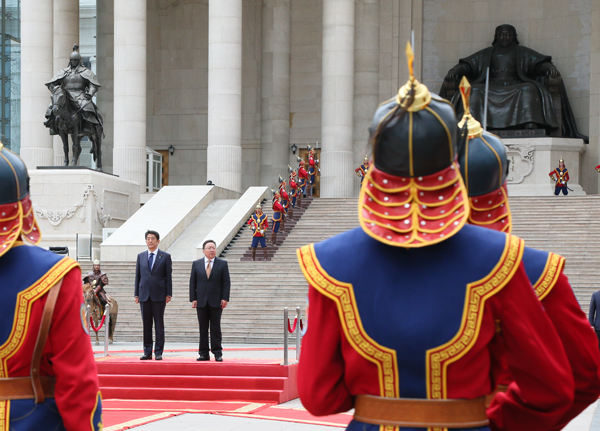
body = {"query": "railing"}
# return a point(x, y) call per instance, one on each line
point(105, 321)
point(288, 329)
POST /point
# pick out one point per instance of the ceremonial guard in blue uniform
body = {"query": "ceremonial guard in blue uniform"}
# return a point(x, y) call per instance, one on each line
point(278, 214)
point(362, 170)
point(259, 224)
point(312, 169)
point(48, 377)
point(484, 168)
point(403, 310)
point(293, 186)
point(561, 177)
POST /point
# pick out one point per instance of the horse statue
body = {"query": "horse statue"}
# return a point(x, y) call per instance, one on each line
point(70, 121)
point(97, 310)
point(72, 111)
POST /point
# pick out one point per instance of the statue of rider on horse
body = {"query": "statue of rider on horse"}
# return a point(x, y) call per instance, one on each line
point(72, 111)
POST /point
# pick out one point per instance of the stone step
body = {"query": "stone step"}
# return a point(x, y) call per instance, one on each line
point(260, 290)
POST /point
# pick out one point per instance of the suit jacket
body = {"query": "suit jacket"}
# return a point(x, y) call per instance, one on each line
point(156, 284)
point(209, 291)
point(595, 310)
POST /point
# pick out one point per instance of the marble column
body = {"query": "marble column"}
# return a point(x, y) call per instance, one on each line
point(105, 45)
point(36, 69)
point(129, 155)
point(275, 113)
point(366, 82)
point(337, 159)
point(224, 152)
point(66, 34)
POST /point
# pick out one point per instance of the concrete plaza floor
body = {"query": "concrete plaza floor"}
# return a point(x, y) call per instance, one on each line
point(588, 420)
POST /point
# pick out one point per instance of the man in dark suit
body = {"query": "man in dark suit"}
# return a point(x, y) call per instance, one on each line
point(209, 295)
point(594, 311)
point(153, 291)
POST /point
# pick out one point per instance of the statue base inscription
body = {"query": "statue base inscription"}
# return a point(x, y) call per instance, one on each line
point(532, 159)
point(515, 134)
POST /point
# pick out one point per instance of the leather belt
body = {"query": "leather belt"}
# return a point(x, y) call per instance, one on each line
point(34, 386)
point(420, 413)
point(20, 388)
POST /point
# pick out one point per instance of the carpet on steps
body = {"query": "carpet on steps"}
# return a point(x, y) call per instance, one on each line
point(250, 380)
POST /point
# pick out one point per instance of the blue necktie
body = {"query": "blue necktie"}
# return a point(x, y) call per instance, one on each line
point(150, 261)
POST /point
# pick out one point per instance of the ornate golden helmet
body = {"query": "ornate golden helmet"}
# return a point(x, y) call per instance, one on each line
point(413, 194)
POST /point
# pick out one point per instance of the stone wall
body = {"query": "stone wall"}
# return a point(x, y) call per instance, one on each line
point(453, 29)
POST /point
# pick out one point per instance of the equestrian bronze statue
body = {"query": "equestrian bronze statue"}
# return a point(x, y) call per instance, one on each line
point(72, 111)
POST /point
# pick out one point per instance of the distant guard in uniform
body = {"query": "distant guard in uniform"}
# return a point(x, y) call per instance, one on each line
point(302, 176)
point(259, 223)
point(362, 170)
point(48, 377)
point(402, 310)
point(101, 279)
point(293, 186)
point(285, 197)
point(484, 167)
point(561, 176)
point(312, 169)
point(278, 212)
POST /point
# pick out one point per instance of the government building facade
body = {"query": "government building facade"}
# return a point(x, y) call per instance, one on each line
point(232, 91)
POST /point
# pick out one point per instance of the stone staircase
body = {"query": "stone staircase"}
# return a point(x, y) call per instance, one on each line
point(260, 290)
point(244, 236)
point(569, 226)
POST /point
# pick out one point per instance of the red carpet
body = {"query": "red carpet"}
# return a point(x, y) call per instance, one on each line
point(125, 414)
point(298, 415)
point(250, 380)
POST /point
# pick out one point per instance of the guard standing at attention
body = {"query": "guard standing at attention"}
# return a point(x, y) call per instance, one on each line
point(484, 166)
point(302, 176)
point(278, 212)
point(293, 186)
point(312, 168)
point(362, 170)
point(561, 176)
point(48, 376)
point(259, 223)
point(408, 345)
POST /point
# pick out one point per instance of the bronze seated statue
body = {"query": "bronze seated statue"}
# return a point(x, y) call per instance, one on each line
point(525, 89)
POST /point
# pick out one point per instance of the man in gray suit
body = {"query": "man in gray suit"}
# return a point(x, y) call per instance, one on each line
point(153, 291)
point(594, 314)
point(209, 295)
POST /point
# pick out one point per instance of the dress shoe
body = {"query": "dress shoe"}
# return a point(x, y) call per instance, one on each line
point(158, 357)
point(219, 358)
point(203, 358)
point(146, 358)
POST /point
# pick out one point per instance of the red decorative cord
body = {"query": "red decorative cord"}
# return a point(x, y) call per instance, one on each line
point(290, 329)
point(101, 323)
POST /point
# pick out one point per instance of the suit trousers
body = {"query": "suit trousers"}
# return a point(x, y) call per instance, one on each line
point(210, 317)
point(598, 335)
point(153, 311)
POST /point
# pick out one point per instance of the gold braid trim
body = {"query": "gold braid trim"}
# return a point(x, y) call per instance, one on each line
point(343, 296)
point(25, 300)
point(439, 358)
point(548, 279)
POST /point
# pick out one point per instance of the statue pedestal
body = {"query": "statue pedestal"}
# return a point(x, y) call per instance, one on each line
point(532, 159)
point(78, 200)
